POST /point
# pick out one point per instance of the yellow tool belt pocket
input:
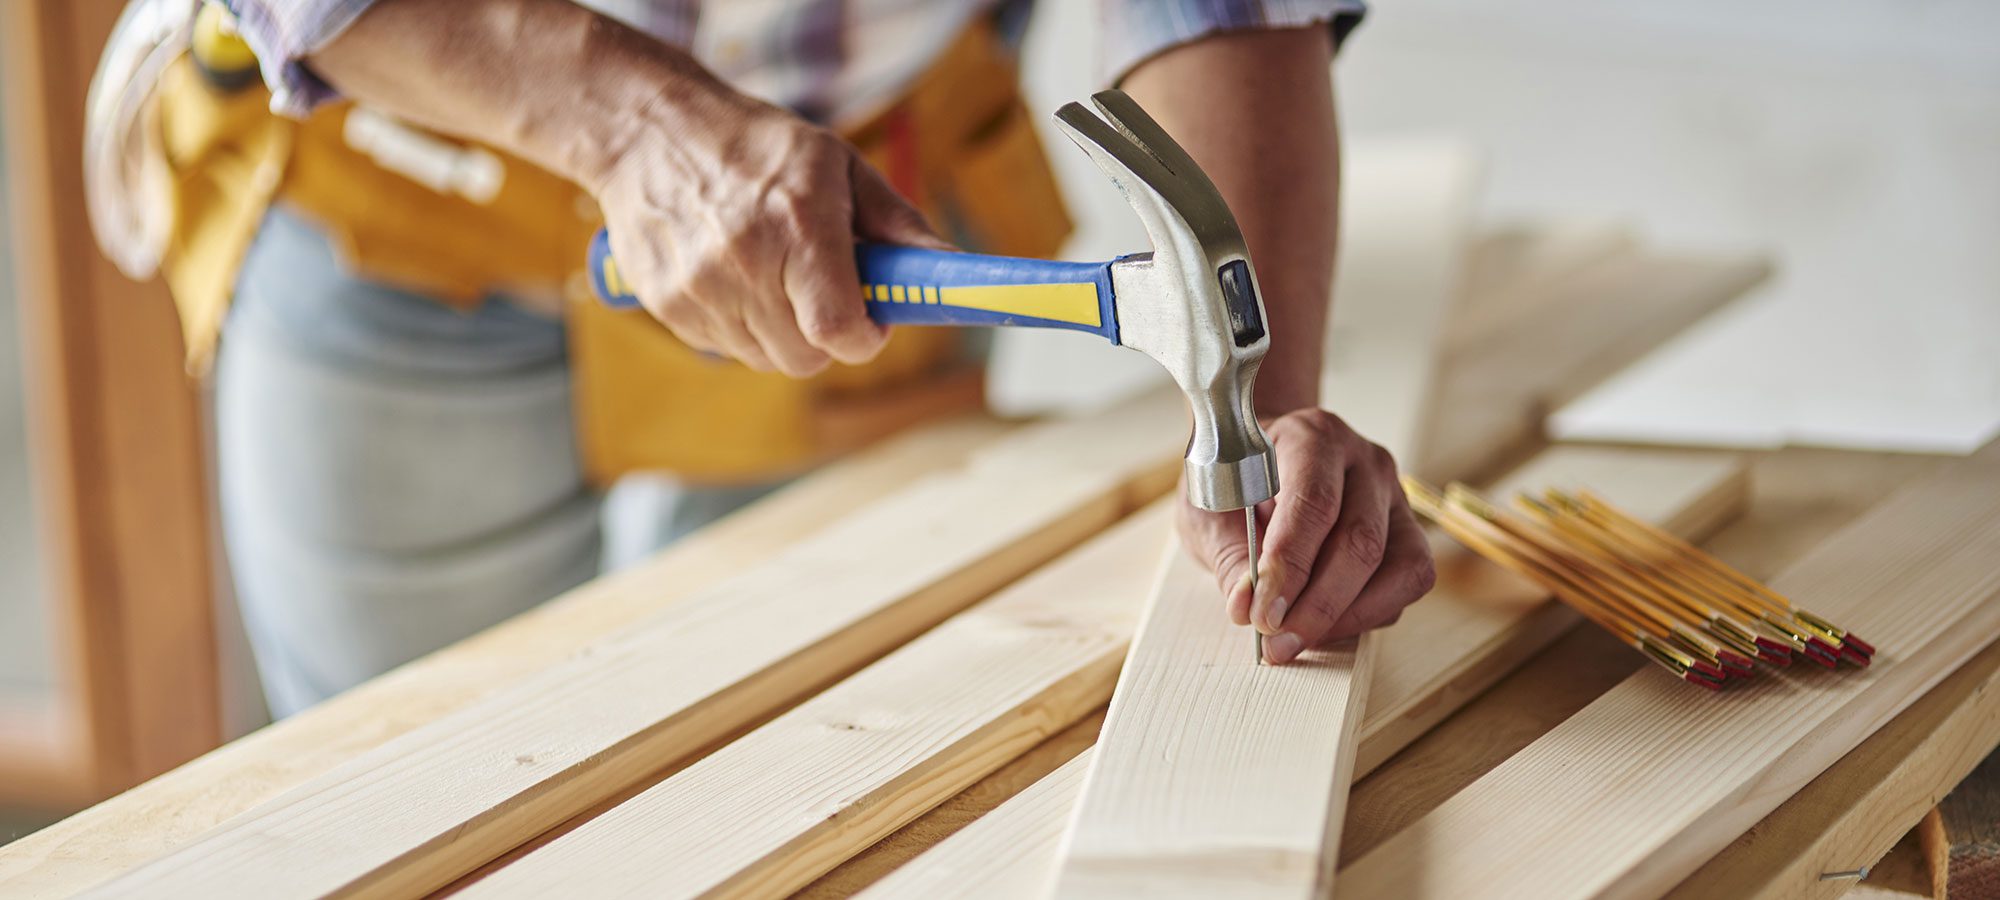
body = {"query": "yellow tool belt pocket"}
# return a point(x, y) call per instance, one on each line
point(960, 143)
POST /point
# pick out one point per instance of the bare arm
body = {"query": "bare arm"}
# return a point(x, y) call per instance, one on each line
point(1255, 109)
point(734, 219)
point(1343, 554)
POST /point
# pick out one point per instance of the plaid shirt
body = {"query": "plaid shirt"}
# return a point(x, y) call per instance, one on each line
point(830, 60)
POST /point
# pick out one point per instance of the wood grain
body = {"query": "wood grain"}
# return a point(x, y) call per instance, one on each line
point(1214, 776)
point(1797, 499)
point(1969, 823)
point(171, 811)
point(1849, 816)
point(116, 439)
point(1631, 794)
point(854, 763)
point(1692, 494)
point(440, 800)
point(1010, 853)
point(973, 809)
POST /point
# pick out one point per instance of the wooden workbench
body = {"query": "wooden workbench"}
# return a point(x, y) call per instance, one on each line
point(1799, 497)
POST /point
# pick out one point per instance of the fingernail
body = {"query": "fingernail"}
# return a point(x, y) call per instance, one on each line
point(1274, 614)
point(1283, 647)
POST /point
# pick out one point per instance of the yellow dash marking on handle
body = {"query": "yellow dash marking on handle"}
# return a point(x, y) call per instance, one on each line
point(1062, 302)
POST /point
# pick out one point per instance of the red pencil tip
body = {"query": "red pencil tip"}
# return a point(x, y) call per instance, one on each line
point(1855, 656)
point(1867, 649)
point(1708, 668)
point(1822, 645)
point(1774, 646)
point(1737, 661)
point(1821, 656)
point(1777, 659)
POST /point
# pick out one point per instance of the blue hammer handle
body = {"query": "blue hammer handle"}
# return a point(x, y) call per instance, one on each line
point(917, 286)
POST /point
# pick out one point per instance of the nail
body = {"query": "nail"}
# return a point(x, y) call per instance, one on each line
point(1274, 615)
point(1283, 647)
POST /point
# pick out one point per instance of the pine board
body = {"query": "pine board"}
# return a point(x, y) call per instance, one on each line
point(1007, 854)
point(169, 812)
point(1173, 803)
point(1476, 625)
point(1967, 836)
point(430, 806)
point(1630, 795)
point(1855, 811)
point(852, 764)
point(1214, 776)
point(1588, 324)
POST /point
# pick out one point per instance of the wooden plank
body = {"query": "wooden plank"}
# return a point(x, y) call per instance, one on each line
point(1214, 776)
point(459, 791)
point(972, 808)
point(1477, 624)
point(849, 766)
point(1588, 325)
point(1848, 817)
point(116, 439)
point(1245, 801)
point(1010, 853)
point(1408, 213)
point(1512, 271)
point(1969, 834)
point(1798, 498)
point(1631, 794)
point(168, 812)
point(1455, 644)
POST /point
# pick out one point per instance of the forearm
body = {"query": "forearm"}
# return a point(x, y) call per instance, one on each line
point(1255, 109)
point(547, 80)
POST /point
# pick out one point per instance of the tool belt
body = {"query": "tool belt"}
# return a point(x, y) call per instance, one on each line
point(466, 222)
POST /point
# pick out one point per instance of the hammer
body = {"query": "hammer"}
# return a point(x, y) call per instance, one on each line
point(1191, 304)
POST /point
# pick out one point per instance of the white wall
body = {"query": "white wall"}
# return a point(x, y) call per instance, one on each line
point(1859, 142)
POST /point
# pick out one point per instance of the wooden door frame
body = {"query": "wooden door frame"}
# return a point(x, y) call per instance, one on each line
point(116, 449)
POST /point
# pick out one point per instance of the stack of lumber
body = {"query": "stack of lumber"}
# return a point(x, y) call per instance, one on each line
point(972, 662)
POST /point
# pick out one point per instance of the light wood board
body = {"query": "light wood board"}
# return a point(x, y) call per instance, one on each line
point(425, 808)
point(1475, 626)
point(169, 812)
point(1216, 773)
point(1214, 776)
point(1515, 269)
point(1634, 792)
point(1589, 323)
point(1855, 811)
point(852, 764)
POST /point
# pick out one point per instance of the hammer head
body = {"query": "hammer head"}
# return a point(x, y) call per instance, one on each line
point(1192, 304)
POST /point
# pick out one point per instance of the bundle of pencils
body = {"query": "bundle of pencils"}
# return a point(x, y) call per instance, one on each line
point(1685, 610)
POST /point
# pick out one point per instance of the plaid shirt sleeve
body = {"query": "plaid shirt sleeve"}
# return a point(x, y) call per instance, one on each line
point(284, 32)
point(1137, 30)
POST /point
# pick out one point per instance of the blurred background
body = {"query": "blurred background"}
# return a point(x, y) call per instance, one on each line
point(1855, 143)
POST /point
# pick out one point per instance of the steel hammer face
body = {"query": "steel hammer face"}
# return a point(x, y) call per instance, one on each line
point(1192, 304)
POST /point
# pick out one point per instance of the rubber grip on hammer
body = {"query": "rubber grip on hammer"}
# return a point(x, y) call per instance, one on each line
point(918, 286)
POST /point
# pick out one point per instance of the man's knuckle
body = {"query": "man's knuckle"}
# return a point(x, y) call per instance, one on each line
point(1317, 501)
point(827, 323)
point(1365, 543)
point(1421, 576)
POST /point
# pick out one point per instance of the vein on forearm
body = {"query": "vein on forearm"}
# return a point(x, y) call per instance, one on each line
point(545, 79)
